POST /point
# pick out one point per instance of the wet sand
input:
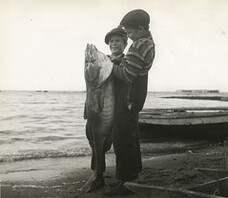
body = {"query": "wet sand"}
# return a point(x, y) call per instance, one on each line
point(63, 177)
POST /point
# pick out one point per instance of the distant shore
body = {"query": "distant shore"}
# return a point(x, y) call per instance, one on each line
point(194, 97)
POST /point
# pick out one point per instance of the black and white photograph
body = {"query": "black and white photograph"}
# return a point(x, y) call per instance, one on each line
point(118, 98)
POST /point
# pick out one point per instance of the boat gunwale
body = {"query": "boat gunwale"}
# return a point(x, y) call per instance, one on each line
point(180, 116)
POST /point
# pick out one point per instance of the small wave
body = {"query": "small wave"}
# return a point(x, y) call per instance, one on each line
point(38, 117)
point(32, 155)
point(14, 117)
point(37, 140)
point(52, 138)
point(31, 186)
point(35, 102)
point(7, 132)
point(22, 170)
point(17, 139)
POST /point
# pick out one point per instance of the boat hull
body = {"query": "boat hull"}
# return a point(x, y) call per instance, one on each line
point(184, 123)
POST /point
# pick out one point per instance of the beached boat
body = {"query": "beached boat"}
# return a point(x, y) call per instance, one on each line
point(214, 189)
point(185, 122)
point(224, 98)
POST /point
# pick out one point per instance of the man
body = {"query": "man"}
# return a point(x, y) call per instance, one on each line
point(131, 79)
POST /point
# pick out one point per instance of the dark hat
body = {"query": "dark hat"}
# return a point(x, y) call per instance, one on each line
point(116, 31)
point(136, 18)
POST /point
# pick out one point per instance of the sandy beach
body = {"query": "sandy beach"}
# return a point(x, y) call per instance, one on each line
point(63, 177)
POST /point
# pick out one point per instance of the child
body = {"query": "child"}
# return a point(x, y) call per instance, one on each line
point(131, 90)
point(101, 142)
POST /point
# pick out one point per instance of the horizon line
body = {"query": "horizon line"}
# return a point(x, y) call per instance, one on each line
point(46, 90)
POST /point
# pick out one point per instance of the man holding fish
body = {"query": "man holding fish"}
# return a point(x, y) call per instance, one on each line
point(130, 74)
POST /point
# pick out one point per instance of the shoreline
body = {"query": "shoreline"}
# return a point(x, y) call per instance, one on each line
point(47, 168)
point(62, 177)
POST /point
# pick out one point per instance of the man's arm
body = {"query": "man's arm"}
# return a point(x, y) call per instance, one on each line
point(139, 56)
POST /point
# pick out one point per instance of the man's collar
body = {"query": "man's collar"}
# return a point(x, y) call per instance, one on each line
point(114, 57)
point(147, 35)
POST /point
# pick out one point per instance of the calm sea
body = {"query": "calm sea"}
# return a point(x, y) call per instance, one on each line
point(36, 125)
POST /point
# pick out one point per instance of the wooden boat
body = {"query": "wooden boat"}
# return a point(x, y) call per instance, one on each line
point(217, 188)
point(185, 122)
point(224, 98)
point(197, 97)
point(149, 191)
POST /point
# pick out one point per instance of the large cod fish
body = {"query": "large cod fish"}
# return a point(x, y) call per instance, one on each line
point(99, 110)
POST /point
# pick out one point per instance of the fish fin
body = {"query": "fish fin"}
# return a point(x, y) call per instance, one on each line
point(100, 101)
point(85, 114)
point(110, 78)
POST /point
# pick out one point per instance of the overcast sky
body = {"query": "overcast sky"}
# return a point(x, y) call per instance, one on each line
point(42, 42)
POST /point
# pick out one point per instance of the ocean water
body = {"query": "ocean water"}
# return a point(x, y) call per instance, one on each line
point(36, 125)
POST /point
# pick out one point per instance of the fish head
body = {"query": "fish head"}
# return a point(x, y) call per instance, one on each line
point(92, 68)
point(98, 66)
